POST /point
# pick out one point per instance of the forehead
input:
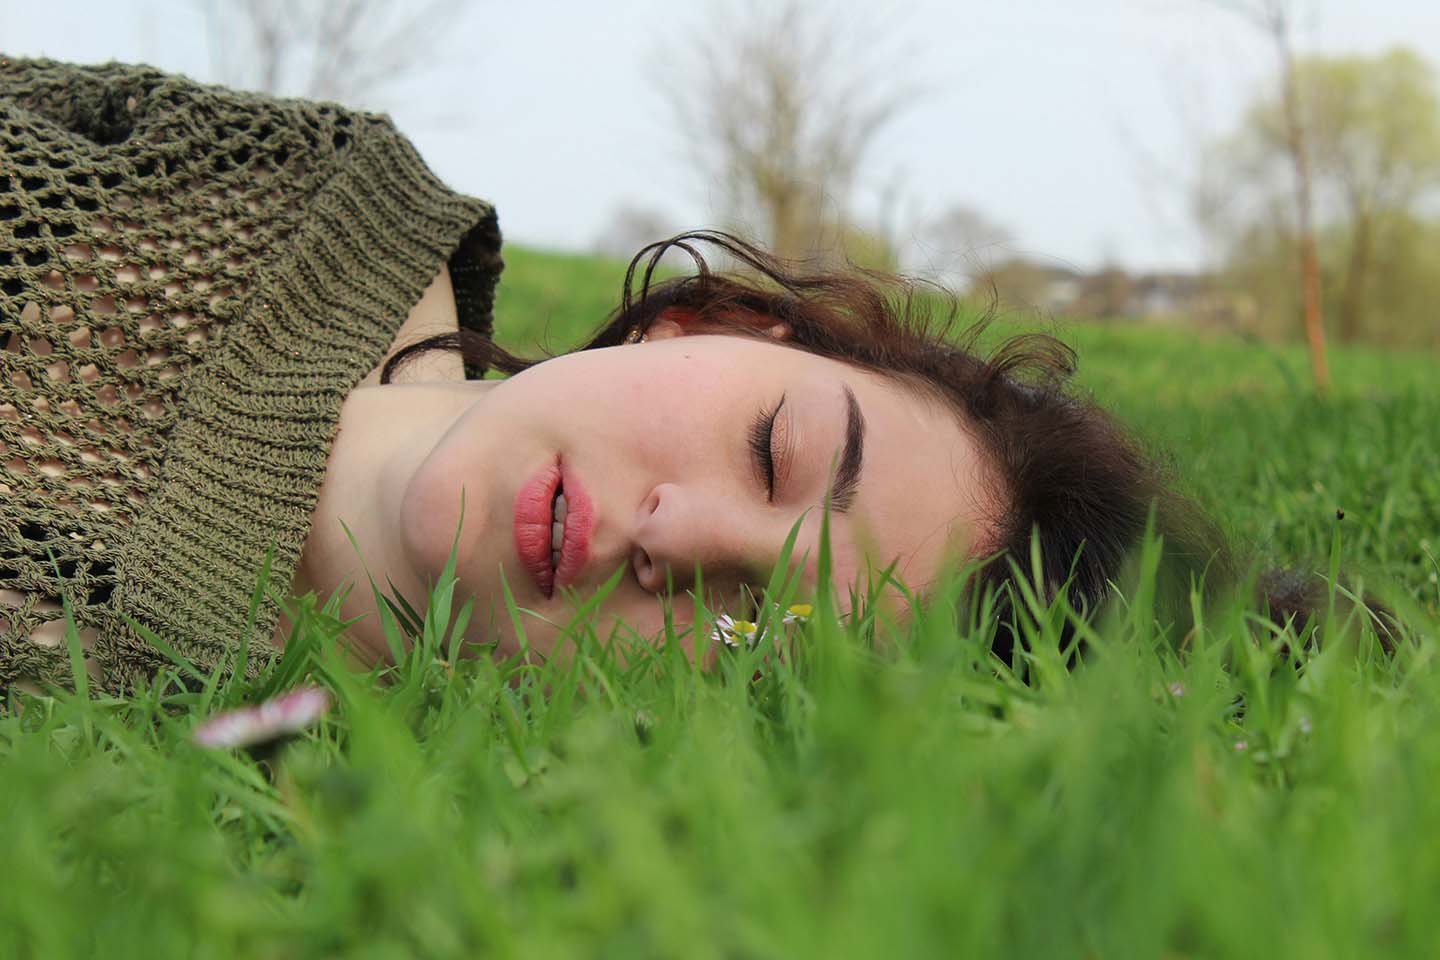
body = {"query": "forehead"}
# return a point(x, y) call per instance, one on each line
point(926, 493)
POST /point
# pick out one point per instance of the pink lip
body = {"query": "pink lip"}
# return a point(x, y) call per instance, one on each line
point(533, 518)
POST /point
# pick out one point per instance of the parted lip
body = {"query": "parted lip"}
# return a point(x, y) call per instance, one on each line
point(534, 515)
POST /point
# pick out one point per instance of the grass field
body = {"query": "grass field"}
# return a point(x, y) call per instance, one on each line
point(919, 802)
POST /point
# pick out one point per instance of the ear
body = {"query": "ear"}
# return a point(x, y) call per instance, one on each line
point(683, 321)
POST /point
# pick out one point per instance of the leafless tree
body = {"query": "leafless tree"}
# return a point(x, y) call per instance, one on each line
point(633, 226)
point(960, 241)
point(343, 50)
point(1276, 19)
point(781, 103)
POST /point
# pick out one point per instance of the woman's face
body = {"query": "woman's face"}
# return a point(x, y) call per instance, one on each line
point(658, 450)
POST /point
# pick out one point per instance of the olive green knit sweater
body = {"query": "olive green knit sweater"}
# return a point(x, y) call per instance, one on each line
point(191, 282)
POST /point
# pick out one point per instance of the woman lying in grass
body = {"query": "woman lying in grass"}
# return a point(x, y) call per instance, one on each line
point(231, 322)
point(710, 416)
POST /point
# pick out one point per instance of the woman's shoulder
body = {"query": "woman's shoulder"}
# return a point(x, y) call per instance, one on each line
point(434, 314)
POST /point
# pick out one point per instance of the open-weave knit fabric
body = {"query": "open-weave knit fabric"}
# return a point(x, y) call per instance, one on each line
point(191, 282)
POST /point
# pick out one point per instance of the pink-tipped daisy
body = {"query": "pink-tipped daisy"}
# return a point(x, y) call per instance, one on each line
point(281, 716)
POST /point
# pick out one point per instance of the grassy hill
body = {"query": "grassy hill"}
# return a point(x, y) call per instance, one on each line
point(920, 801)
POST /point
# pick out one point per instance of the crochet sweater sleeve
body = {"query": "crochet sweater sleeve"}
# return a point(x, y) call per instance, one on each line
point(191, 282)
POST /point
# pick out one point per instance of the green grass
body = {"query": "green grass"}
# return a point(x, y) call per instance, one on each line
point(916, 802)
point(553, 301)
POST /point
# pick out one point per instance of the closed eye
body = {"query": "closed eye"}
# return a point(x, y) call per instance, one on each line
point(762, 447)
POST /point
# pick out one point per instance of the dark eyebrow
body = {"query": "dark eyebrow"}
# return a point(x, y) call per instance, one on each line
point(852, 458)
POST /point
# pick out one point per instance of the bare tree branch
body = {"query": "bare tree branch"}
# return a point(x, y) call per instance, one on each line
point(1276, 19)
point(344, 50)
point(781, 104)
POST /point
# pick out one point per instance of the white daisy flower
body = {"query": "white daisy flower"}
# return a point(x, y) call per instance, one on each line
point(732, 633)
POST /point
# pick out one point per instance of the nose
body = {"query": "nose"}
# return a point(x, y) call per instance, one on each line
point(679, 527)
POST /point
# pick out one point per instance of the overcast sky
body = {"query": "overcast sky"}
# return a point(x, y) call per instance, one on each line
point(1070, 122)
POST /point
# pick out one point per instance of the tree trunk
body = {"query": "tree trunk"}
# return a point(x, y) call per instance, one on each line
point(1352, 306)
point(787, 236)
point(1300, 160)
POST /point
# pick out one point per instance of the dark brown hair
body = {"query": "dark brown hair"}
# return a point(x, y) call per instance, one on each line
point(1067, 471)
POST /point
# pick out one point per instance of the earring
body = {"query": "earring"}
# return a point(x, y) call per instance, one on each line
point(638, 335)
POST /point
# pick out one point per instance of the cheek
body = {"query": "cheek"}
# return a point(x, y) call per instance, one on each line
point(653, 395)
point(688, 408)
point(430, 512)
point(661, 421)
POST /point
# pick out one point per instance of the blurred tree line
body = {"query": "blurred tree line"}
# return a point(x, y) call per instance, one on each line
point(1372, 125)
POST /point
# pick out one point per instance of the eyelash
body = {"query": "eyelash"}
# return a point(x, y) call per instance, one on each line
point(762, 434)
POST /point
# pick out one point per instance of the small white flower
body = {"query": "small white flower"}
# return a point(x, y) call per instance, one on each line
point(278, 717)
point(797, 613)
point(1177, 689)
point(1241, 746)
point(732, 632)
